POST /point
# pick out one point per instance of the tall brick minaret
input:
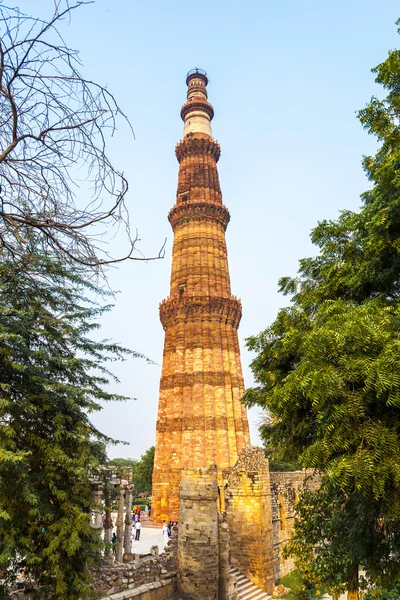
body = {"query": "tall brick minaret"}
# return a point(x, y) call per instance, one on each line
point(200, 418)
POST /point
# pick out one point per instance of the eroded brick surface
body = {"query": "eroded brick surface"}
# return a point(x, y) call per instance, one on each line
point(200, 418)
point(248, 513)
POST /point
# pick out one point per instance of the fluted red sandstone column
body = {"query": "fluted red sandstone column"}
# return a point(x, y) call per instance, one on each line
point(200, 418)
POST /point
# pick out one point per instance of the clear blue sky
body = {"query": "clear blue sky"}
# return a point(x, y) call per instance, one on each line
point(286, 80)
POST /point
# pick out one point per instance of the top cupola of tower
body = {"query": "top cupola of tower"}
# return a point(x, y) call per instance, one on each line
point(197, 112)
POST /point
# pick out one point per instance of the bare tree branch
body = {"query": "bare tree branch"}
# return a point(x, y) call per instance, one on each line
point(54, 124)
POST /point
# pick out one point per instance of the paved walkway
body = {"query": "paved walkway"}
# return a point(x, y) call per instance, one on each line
point(149, 536)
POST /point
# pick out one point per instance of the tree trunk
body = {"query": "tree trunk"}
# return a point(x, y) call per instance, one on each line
point(352, 593)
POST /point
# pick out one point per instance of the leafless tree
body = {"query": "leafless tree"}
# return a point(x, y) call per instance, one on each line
point(56, 180)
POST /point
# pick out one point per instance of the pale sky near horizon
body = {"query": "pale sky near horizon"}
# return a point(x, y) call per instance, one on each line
point(286, 80)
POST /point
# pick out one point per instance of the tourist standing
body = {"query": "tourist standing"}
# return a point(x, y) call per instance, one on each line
point(165, 534)
point(114, 542)
point(137, 529)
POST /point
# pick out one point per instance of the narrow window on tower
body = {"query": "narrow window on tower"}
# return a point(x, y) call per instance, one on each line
point(182, 288)
point(184, 196)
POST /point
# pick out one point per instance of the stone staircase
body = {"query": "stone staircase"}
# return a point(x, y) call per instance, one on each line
point(246, 589)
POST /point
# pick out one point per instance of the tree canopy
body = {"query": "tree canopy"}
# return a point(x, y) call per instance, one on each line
point(53, 375)
point(328, 371)
point(142, 470)
point(55, 122)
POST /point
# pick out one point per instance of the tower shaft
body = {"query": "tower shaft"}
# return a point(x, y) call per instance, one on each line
point(200, 418)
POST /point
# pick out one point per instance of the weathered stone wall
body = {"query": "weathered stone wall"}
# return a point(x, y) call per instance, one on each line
point(248, 513)
point(117, 578)
point(285, 492)
point(198, 552)
point(159, 590)
point(227, 582)
point(146, 577)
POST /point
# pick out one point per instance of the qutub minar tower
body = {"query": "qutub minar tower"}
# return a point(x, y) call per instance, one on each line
point(200, 418)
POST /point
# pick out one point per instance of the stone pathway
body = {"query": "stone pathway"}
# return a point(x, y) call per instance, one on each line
point(149, 536)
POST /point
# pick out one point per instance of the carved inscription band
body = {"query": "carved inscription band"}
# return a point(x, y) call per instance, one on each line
point(194, 242)
point(207, 341)
point(215, 378)
point(198, 424)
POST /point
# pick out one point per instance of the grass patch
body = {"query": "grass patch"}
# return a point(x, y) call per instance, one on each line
point(299, 590)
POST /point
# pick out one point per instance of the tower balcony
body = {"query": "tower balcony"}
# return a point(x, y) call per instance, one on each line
point(194, 308)
point(197, 145)
point(198, 211)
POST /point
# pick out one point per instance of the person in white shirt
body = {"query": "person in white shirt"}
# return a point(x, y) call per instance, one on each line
point(165, 534)
point(138, 527)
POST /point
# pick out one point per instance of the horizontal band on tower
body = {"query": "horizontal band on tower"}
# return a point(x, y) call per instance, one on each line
point(185, 341)
point(195, 241)
point(198, 424)
point(189, 308)
point(197, 105)
point(191, 145)
point(198, 211)
point(215, 378)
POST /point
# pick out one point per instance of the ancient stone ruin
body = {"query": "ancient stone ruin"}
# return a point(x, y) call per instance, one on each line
point(105, 482)
point(201, 420)
point(234, 515)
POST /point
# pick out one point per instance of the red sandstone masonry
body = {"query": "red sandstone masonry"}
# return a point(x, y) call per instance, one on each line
point(200, 418)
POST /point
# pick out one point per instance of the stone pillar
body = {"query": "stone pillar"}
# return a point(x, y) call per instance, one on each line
point(227, 582)
point(128, 520)
point(198, 564)
point(249, 516)
point(108, 525)
point(120, 524)
point(98, 522)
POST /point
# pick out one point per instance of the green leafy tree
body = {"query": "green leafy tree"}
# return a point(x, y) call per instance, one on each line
point(328, 372)
point(142, 470)
point(53, 375)
point(390, 593)
point(273, 451)
point(123, 462)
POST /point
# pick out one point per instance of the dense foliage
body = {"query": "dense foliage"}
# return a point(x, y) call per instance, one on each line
point(328, 372)
point(52, 376)
point(390, 593)
point(142, 470)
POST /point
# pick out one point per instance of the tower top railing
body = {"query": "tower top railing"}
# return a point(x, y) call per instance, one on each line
point(195, 73)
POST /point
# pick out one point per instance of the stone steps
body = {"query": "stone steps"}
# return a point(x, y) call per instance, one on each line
point(246, 589)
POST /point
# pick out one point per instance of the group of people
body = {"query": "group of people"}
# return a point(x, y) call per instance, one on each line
point(137, 526)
